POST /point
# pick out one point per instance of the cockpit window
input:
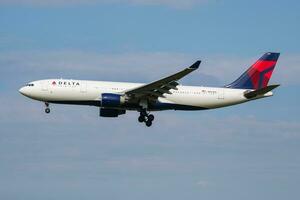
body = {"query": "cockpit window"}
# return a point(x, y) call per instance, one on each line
point(30, 84)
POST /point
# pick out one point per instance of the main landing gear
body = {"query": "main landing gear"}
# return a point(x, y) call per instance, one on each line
point(47, 109)
point(146, 117)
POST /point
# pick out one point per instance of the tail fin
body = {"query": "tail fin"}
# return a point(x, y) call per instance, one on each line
point(258, 75)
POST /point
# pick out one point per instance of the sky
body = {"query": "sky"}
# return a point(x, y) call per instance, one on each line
point(249, 151)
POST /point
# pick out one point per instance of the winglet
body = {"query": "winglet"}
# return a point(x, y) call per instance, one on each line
point(195, 65)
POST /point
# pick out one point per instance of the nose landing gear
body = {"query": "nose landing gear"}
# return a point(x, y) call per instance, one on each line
point(47, 109)
point(146, 117)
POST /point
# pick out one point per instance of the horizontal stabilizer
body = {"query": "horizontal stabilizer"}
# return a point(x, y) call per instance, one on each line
point(262, 91)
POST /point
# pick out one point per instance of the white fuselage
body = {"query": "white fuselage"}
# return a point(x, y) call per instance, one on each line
point(84, 92)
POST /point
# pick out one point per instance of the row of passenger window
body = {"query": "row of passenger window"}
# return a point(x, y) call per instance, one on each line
point(181, 92)
point(196, 92)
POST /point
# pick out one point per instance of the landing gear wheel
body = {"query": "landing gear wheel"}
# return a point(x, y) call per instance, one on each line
point(47, 110)
point(141, 118)
point(148, 123)
point(151, 117)
point(146, 117)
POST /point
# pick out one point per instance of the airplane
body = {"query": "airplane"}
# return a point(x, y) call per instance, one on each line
point(115, 98)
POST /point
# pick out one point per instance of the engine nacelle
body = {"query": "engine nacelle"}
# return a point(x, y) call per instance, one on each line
point(112, 100)
point(107, 112)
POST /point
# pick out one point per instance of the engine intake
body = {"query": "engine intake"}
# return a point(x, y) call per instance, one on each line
point(112, 100)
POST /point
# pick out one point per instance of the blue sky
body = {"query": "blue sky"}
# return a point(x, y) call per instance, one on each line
point(249, 151)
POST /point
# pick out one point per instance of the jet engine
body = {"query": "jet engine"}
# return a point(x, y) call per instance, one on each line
point(107, 112)
point(112, 100)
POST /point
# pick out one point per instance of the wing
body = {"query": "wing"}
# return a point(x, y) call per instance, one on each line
point(159, 88)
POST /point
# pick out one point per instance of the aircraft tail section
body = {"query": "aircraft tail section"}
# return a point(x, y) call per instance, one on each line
point(258, 75)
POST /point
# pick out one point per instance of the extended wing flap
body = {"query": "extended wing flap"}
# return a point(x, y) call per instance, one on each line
point(169, 86)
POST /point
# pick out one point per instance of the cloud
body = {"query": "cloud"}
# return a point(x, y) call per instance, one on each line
point(141, 66)
point(120, 67)
point(16, 108)
point(169, 3)
point(231, 126)
point(154, 163)
point(227, 68)
point(202, 184)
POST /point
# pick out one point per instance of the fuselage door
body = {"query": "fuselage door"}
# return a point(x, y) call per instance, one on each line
point(83, 87)
point(221, 93)
point(45, 86)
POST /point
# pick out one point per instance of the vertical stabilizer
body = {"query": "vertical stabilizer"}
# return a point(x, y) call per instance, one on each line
point(258, 75)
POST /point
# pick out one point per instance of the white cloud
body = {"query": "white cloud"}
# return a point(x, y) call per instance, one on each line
point(202, 184)
point(170, 3)
point(228, 68)
point(19, 109)
point(142, 66)
point(150, 162)
point(119, 66)
point(232, 126)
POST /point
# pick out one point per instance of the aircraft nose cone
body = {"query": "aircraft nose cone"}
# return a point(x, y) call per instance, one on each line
point(22, 90)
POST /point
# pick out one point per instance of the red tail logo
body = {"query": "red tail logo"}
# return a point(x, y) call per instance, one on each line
point(259, 74)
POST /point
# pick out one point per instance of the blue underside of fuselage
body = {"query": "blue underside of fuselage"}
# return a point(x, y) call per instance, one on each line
point(152, 107)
